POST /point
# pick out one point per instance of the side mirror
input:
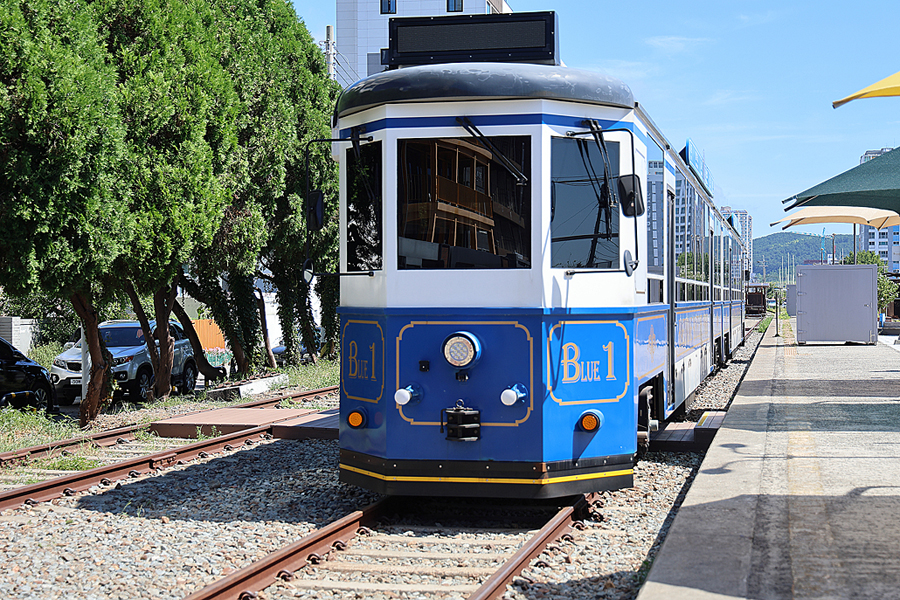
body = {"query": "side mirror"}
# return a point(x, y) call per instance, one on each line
point(68, 345)
point(308, 271)
point(315, 210)
point(630, 195)
point(630, 263)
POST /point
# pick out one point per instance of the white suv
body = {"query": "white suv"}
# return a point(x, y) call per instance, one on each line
point(131, 361)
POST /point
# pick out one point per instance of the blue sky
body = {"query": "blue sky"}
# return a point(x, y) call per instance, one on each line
point(751, 83)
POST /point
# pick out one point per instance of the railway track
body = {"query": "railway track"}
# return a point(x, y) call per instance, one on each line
point(373, 551)
point(113, 455)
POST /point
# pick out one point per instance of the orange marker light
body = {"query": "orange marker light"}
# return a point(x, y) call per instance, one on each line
point(356, 419)
point(590, 421)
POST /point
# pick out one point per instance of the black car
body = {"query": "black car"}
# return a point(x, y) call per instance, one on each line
point(22, 380)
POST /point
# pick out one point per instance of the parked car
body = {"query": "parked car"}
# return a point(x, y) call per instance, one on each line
point(278, 350)
point(131, 369)
point(21, 374)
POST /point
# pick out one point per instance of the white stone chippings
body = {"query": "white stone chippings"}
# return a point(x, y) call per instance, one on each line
point(610, 557)
point(166, 535)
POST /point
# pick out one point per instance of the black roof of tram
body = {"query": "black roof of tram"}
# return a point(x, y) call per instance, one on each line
point(464, 81)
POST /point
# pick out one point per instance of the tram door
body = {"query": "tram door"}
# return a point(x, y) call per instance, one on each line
point(671, 297)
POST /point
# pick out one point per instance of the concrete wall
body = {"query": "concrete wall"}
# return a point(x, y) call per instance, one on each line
point(18, 331)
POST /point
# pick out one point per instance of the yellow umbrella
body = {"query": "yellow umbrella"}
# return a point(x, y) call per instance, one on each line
point(811, 215)
point(889, 86)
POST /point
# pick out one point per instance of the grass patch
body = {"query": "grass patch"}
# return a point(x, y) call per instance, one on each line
point(24, 428)
point(67, 463)
point(764, 324)
point(314, 376)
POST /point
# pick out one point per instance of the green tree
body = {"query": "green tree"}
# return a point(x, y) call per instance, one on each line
point(179, 106)
point(887, 289)
point(287, 99)
point(61, 146)
point(56, 319)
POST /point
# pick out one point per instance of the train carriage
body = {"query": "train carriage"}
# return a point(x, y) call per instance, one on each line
point(520, 302)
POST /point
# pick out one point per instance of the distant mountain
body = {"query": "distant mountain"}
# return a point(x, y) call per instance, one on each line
point(784, 249)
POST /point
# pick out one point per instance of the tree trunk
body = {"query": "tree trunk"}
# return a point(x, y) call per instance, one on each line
point(163, 299)
point(145, 325)
point(307, 325)
point(261, 305)
point(214, 298)
point(98, 386)
point(210, 372)
point(329, 292)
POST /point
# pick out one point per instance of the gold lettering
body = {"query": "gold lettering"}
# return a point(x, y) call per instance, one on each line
point(610, 371)
point(571, 361)
point(351, 355)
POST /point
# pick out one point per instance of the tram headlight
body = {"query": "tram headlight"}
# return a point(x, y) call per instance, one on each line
point(590, 421)
point(461, 349)
point(514, 394)
point(357, 418)
point(408, 395)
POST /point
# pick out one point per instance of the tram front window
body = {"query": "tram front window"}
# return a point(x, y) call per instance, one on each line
point(364, 208)
point(458, 207)
point(584, 222)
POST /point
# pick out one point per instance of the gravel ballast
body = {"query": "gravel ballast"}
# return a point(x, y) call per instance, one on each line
point(166, 535)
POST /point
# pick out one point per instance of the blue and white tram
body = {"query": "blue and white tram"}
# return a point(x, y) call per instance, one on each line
point(542, 279)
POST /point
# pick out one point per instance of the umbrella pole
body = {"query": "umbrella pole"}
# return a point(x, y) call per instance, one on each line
point(854, 243)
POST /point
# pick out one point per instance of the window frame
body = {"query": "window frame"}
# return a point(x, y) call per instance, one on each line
point(451, 4)
point(389, 7)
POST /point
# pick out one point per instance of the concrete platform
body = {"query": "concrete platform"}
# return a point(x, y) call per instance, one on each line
point(799, 494)
point(246, 389)
point(687, 436)
point(224, 420)
point(322, 425)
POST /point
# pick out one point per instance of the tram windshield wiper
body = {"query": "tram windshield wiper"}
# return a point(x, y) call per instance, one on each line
point(521, 179)
point(356, 138)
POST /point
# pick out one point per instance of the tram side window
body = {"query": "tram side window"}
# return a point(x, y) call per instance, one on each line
point(584, 223)
point(656, 202)
point(458, 207)
point(364, 208)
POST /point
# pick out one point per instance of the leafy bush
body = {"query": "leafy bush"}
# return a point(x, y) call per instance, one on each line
point(44, 354)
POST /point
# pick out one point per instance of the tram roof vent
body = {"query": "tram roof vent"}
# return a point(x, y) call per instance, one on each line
point(509, 37)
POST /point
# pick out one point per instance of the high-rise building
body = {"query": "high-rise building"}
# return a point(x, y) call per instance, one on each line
point(362, 28)
point(656, 195)
point(870, 154)
point(745, 228)
point(885, 242)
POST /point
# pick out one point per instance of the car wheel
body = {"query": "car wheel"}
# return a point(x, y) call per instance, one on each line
point(42, 396)
point(142, 384)
point(189, 379)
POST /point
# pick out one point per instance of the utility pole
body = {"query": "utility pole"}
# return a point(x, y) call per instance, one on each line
point(763, 264)
point(329, 50)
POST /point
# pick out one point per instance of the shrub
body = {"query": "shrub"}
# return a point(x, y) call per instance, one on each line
point(45, 353)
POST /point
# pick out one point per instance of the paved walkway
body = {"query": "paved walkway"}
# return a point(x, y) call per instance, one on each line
point(799, 494)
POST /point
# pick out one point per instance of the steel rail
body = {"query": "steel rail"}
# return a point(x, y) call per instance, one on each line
point(244, 583)
point(105, 475)
point(111, 437)
point(555, 528)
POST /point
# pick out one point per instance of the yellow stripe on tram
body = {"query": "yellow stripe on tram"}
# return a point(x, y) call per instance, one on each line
point(548, 481)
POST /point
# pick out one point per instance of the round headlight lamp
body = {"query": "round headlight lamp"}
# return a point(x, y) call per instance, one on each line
point(461, 349)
